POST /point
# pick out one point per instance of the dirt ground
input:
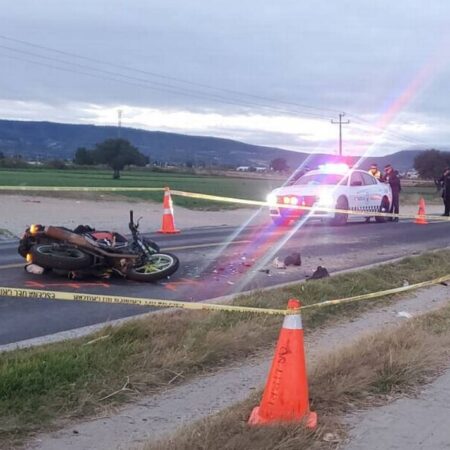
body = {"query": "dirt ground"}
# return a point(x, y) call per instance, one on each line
point(18, 211)
point(421, 423)
point(154, 416)
point(23, 210)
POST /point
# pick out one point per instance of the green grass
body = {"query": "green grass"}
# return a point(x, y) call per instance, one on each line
point(370, 372)
point(412, 194)
point(248, 188)
point(38, 386)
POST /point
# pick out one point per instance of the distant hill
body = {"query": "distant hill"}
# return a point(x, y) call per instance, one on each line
point(402, 161)
point(56, 140)
point(48, 140)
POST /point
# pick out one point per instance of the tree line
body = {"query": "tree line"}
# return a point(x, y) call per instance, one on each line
point(431, 163)
point(115, 153)
point(119, 153)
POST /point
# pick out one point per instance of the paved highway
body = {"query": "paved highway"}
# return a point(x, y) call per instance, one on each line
point(215, 261)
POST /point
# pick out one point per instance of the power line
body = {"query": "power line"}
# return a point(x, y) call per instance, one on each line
point(396, 134)
point(165, 77)
point(165, 87)
point(149, 84)
point(131, 83)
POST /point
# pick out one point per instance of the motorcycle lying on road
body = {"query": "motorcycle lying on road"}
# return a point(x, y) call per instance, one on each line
point(85, 251)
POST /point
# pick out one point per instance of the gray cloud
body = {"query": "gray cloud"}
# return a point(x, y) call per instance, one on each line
point(349, 55)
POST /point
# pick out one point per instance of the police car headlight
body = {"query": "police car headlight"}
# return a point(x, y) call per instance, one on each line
point(326, 199)
point(271, 199)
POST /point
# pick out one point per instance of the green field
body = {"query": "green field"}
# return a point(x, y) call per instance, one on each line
point(412, 194)
point(241, 187)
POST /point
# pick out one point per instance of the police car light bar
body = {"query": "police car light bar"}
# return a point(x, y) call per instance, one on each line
point(334, 168)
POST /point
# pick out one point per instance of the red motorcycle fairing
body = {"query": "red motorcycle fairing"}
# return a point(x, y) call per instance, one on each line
point(99, 235)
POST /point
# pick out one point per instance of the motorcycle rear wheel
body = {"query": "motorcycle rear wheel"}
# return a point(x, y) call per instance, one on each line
point(62, 257)
point(160, 265)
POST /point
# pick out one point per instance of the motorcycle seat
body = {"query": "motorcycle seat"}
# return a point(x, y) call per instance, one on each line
point(108, 239)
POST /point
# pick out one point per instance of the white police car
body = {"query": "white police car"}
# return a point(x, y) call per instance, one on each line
point(331, 186)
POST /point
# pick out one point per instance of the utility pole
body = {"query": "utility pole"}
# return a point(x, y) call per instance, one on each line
point(340, 123)
point(119, 122)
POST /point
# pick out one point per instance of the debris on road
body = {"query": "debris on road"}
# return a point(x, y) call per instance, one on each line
point(320, 272)
point(294, 259)
point(278, 264)
point(34, 269)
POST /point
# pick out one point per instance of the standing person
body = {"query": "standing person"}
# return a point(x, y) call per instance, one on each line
point(375, 172)
point(444, 182)
point(391, 177)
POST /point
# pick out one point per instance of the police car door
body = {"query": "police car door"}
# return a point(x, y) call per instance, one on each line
point(373, 192)
point(357, 192)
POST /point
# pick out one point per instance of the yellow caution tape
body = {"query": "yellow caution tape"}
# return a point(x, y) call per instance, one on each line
point(313, 209)
point(232, 200)
point(80, 189)
point(379, 294)
point(72, 296)
point(81, 297)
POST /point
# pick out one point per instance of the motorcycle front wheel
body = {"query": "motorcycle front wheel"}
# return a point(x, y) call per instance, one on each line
point(158, 266)
point(55, 256)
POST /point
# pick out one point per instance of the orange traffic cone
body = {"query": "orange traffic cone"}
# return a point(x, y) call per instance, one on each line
point(168, 222)
point(420, 218)
point(285, 397)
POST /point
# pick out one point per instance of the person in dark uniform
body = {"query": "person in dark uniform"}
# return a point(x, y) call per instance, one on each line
point(391, 177)
point(444, 182)
point(376, 173)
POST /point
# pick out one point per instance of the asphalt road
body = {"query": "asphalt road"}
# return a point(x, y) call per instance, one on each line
point(215, 261)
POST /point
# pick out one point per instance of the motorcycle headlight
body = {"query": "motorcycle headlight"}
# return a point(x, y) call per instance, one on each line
point(35, 228)
point(271, 199)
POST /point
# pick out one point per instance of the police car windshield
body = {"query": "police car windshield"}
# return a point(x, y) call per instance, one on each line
point(319, 178)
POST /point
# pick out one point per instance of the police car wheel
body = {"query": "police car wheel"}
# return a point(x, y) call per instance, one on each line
point(384, 207)
point(340, 219)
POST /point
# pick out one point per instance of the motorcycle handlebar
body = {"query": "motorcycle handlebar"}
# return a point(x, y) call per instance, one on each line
point(131, 225)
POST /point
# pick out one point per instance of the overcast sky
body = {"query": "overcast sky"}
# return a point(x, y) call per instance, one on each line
point(265, 72)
